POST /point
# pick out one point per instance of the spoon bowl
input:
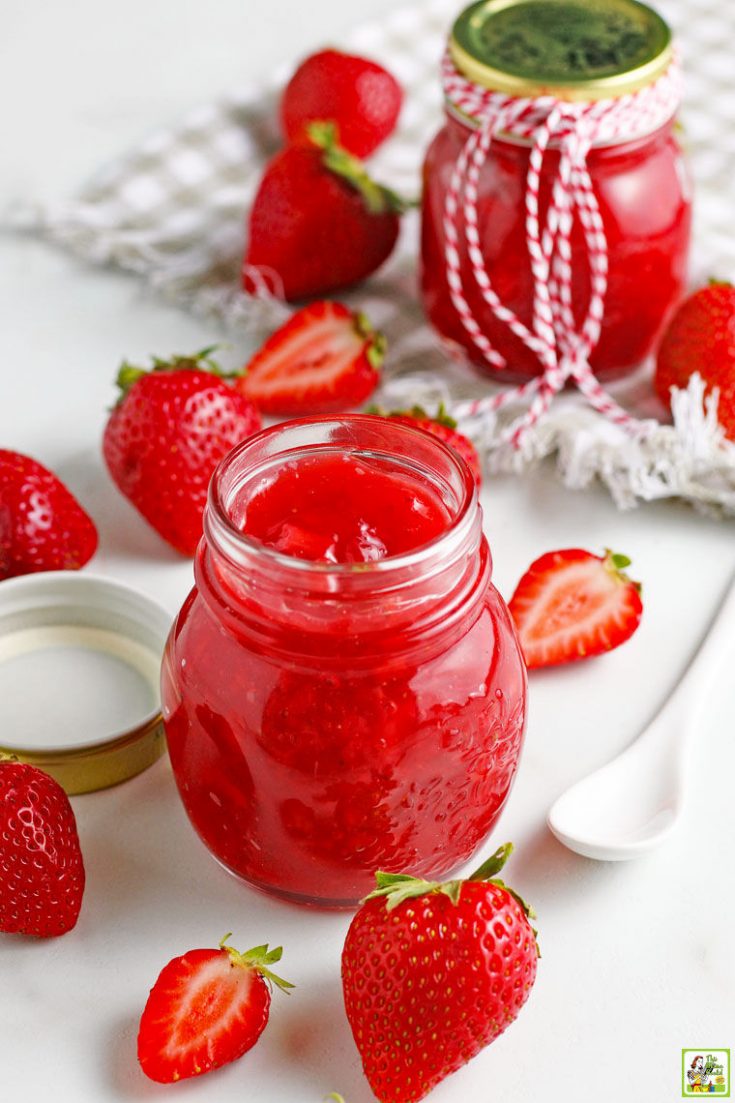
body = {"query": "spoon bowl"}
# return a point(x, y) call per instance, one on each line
point(632, 804)
point(621, 810)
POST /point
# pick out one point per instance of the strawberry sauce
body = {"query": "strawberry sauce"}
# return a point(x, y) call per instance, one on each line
point(343, 509)
point(343, 690)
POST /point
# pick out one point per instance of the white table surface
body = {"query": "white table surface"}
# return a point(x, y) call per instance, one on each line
point(638, 959)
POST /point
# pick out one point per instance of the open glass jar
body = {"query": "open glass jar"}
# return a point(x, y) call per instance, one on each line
point(328, 719)
point(541, 52)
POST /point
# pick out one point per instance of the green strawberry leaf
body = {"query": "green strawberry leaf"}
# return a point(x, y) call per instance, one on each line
point(620, 561)
point(377, 198)
point(397, 888)
point(128, 373)
point(616, 564)
point(259, 958)
point(493, 865)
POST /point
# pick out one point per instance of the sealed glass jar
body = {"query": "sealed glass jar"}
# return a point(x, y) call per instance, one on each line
point(610, 65)
point(343, 690)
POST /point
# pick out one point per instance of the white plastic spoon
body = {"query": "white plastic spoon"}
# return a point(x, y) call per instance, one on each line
point(629, 806)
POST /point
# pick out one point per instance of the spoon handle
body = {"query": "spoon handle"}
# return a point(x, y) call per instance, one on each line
point(690, 695)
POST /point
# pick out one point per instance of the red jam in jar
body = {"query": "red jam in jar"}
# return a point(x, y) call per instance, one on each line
point(343, 690)
point(341, 509)
point(575, 51)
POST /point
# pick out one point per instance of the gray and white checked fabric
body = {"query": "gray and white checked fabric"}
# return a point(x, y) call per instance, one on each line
point(174, 211)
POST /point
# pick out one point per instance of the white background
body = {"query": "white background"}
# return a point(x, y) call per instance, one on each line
point(638, 959)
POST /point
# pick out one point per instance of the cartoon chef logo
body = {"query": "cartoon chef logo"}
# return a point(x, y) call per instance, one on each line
point(700, 1077)
point(706, 1073)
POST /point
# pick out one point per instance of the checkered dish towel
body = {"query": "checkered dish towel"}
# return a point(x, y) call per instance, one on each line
point(174, 211)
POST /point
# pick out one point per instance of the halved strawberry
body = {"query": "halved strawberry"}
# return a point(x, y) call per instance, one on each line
point(325, 359)
point(571, 604)
point(207, 1008)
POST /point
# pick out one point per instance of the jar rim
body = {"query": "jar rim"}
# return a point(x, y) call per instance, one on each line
point(236, 544)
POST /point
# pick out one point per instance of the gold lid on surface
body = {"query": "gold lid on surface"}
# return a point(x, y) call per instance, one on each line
point(99, 765)
point(573, 49)
point(79, 669)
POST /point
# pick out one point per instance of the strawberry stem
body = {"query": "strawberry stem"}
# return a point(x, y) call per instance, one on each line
point(128, 374)
point(376, 342)
point(258, 958)
point(620, 561)
point(419, 413)
point(396, 888)
point(616, 564)
point(399, 887)
point(377, 198)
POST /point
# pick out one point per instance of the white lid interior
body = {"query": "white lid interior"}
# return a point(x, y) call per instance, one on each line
point(80, 659)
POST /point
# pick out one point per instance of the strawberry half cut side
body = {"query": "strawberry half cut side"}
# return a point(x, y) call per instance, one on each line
point(207, 1008)
point(324, 360)
point(571, 604)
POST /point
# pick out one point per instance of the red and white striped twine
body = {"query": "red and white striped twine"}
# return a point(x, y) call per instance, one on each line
point(563, 349)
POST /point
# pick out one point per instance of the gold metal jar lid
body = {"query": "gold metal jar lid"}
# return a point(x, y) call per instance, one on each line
point(80, 658)
point(573, 49)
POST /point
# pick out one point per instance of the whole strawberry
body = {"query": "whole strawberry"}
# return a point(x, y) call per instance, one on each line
point(701, 338)
point(432, 973)
point(444, 427)
point(325, 359)
point(362, 98)
point(168, 432)
point(41, 867)
point(318, 222)
point(42, 525)
point(207, 1008)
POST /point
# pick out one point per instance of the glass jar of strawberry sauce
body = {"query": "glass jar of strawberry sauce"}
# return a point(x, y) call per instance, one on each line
point(573, 51)
point(343, 690)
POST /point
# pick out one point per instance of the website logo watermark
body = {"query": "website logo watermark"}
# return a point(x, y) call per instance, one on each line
point(705, 1072)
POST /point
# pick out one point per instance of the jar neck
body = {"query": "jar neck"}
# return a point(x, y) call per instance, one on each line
point(344, 611)
point(461, 127)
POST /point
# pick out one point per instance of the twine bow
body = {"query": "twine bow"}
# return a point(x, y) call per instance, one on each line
point(562, 347)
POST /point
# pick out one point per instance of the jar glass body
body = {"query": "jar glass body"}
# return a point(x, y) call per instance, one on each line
point(323, 724)
point(644, 194)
